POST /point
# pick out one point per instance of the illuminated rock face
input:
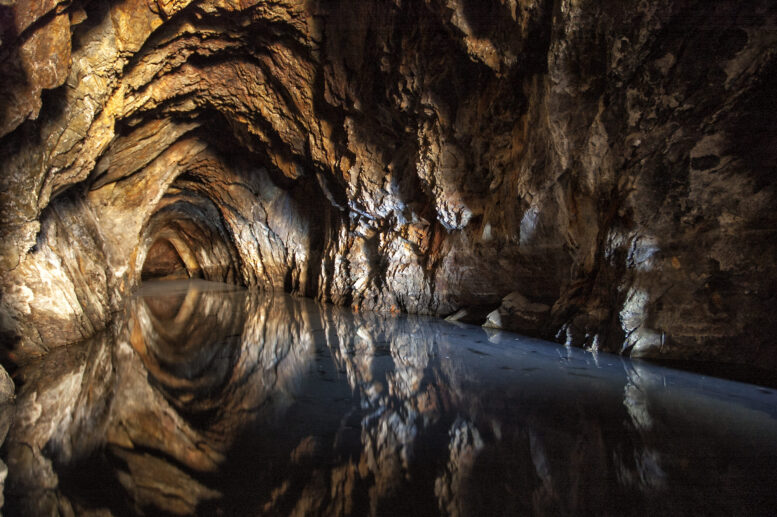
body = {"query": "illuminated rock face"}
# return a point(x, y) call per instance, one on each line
point(597, 173)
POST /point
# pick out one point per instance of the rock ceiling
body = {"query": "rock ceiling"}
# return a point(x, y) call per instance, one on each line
point(600, 173)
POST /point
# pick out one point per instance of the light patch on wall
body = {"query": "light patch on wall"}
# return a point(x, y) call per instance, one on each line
point(529, 224)
point(487, 236)
point(642, 253)
point(633, 316)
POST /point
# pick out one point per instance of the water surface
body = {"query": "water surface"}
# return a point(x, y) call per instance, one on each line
point(217, 401)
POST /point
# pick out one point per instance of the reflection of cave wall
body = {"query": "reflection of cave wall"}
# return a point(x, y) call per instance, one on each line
point(242, 403)
point(599, 173)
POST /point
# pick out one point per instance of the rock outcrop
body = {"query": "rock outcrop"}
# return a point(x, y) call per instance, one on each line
point(601, 173)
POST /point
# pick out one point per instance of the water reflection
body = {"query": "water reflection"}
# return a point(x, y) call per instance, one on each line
point(208, 400)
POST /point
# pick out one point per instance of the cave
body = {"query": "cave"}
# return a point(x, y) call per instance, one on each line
point(163, 261)
point(235, 233)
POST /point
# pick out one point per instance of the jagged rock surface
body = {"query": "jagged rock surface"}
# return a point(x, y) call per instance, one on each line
point(596, 172)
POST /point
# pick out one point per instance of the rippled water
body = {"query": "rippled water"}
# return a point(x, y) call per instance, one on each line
point(210, 400)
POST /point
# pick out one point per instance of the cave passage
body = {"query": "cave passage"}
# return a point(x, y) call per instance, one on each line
point(598, 174)
point(163, 260)
point(209, 399)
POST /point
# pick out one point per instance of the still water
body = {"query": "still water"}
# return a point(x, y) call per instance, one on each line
point(216, 401)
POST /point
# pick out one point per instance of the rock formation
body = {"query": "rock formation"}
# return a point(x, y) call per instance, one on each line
point(596, 172)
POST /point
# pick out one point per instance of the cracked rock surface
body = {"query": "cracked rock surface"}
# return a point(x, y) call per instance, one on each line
point(596, 172)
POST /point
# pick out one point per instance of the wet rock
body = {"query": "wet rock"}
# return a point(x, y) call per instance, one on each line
point(472, 315)
point(516, 312)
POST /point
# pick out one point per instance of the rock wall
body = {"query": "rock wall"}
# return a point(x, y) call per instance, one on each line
point(597, 172)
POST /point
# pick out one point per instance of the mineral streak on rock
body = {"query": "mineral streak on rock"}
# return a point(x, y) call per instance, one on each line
point(600, 173)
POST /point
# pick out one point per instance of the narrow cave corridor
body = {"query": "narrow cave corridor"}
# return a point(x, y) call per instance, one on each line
point(597, 175)
point(164, 261)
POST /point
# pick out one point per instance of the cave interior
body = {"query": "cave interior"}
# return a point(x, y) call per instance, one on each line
point(600, 174)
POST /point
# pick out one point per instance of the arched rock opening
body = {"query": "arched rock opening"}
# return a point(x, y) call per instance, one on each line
point(195, 238)
point(164, 261)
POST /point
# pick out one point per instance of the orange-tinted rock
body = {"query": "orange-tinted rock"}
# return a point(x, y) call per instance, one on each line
point(40, 62)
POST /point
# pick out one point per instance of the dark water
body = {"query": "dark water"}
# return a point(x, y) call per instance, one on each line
point(225, 402)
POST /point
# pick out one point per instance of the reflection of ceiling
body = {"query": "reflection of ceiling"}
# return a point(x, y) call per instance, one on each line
point(251, 403)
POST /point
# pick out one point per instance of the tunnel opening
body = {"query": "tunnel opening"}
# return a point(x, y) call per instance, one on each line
point(186, 238)
point(163, 262)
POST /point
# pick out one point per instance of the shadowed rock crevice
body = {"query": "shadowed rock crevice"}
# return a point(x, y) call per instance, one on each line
point(599, 173)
